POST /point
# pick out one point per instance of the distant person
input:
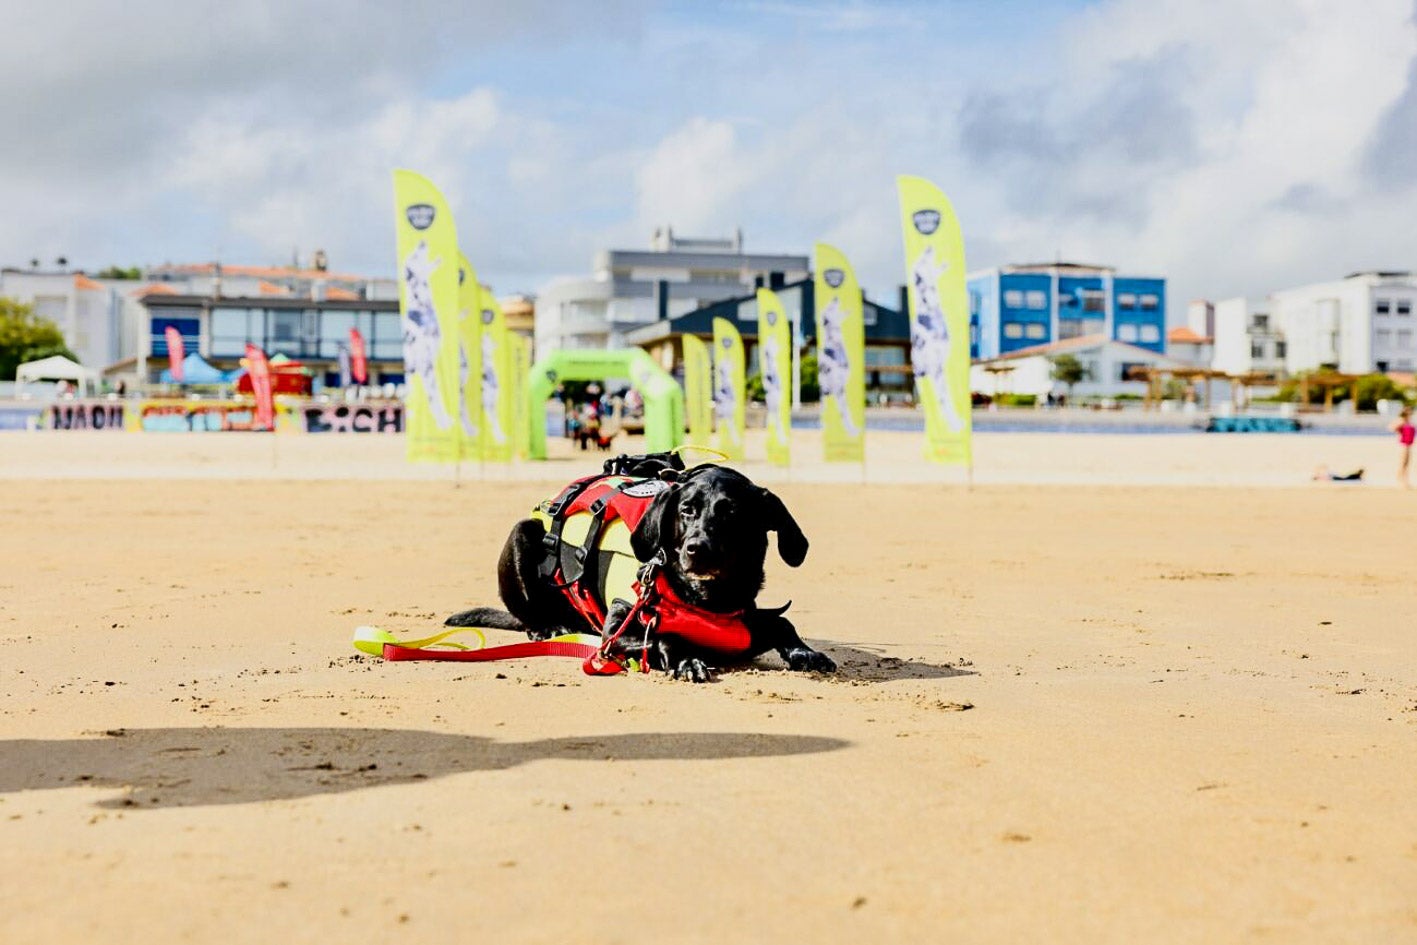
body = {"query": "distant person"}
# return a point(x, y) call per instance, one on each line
point(1324, 474)
point(1406, 433)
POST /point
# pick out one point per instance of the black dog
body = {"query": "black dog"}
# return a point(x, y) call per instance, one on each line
point(708, 534)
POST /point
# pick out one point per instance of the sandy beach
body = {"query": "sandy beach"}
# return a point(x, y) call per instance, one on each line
point(1125, 689)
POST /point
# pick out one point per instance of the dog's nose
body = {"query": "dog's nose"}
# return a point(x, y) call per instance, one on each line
point(694, 547)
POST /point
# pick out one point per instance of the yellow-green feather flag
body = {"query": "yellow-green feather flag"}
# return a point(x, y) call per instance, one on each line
point(698, 390)
point(519, 350)
point(841, 356)
point(939, 318)
point(469, 361)
point(428, 303)
point(775, 365)
point(496, 395)
point(728, 383)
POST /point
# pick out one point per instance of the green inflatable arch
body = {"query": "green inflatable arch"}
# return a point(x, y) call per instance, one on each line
point(664, 401)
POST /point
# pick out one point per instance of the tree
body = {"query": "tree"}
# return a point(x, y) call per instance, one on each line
point(118, 272)
point(24, 336)
point(1068, 370)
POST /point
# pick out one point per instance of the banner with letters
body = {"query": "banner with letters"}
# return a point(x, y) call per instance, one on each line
point(519, 361)
point(730, 412)
point(469, 361)
point(428, 303)
point(775, 368)
point(698, 390)
point(939, 319)
point(496, 393)
point(841, 356)
point(260, 370)
point(175, 353)
point(358, 357)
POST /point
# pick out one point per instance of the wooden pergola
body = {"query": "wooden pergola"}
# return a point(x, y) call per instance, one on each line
point(1156, 378)
point(1327, 380)
point(1240, 385)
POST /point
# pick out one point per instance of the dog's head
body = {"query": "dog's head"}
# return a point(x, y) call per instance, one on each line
point(710, 528)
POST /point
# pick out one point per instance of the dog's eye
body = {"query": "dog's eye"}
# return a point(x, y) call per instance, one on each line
point(689, 509)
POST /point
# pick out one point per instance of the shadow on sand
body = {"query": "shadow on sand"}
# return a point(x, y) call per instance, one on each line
point(855, 664)
point(178, 767)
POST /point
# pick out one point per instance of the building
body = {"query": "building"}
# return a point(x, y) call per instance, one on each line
point(1012, 308)
point(1108, 363)
point(118, 327)
point(631, 288)
point(1357, 325)
point(887, 333)
point(91, 313)
point(520, 312)
point(1246, 338)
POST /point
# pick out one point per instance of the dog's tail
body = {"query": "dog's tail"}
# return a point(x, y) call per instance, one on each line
point(487, 618)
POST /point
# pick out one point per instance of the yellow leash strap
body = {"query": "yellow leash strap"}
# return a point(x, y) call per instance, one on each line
point(371, 640)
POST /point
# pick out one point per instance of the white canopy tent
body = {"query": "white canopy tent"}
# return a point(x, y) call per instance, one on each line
point(56, 368)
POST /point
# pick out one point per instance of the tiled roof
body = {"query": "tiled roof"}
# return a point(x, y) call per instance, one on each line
point(84, 283)
point(155, 288)
point(1182, 334)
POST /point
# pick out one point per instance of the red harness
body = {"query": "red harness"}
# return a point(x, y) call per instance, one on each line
point(657, 608)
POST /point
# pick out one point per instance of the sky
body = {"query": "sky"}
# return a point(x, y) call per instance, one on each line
point(1233, 146)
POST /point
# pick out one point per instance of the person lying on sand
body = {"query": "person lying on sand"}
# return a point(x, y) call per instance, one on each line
point(1324, 474)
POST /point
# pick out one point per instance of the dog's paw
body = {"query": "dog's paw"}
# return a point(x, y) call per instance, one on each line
point(694, 670)
point(806, 660)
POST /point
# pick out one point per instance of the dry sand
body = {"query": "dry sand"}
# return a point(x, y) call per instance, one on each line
point(1064, 713)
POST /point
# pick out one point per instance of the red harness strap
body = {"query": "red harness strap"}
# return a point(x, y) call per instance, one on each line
point(657, 607)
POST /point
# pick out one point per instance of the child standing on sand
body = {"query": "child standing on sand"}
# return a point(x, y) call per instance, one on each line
point(1406, 433)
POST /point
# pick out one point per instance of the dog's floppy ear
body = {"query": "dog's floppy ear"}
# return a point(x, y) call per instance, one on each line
point(658, 523)
point(791, 543)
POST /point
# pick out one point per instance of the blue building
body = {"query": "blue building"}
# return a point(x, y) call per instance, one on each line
point(1016, 307)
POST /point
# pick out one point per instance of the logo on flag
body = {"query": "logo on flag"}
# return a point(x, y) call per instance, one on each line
point(420, 215)
point(834, 278)
point(926, 221)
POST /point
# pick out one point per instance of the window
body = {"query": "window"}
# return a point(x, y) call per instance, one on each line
point(285, 325)
point(1382, 306)
point(1150, 302)
point(974, 303)
point(1126, 332)
point(231, 331)
point(1037, 300)
point(1127, 300)
point(1013, 330)
point(1382, 338)
point(1259, 322)
point(1035, 331)
point(1151, 334)
point(1404, 306)
point(973, 335)
point(1094, 326)
point(1257, 350)
point(1279, 349)
point(1013, 298)
point(1094, 302)
point(1069, 328)
point(1404, 338)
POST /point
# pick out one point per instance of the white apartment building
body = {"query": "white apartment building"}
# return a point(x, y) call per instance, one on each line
point(1246, 338)
point(630, 288)
point(96, 316)
point(1358, 324)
